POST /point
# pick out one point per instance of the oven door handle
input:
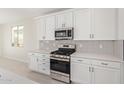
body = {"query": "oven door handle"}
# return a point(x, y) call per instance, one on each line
point(66, 60)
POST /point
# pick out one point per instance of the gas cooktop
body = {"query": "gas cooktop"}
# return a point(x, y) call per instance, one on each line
point(66, 52)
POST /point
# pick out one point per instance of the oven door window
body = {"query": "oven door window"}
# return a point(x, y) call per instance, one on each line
point(60, 33)
point(60, 66)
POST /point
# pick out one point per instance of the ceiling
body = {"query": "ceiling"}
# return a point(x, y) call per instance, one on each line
point(8, 15)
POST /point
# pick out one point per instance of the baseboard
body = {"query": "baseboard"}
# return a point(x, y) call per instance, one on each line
point(16, 59)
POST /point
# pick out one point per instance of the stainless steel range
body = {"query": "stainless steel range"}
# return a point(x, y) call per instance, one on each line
point(60, 63)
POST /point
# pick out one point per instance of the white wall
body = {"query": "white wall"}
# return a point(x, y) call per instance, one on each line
point(1, 34)
point(29, 41)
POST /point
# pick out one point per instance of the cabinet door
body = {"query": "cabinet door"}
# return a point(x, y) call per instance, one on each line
point(40, 27)
point(64, 20)
point(50, 28)
point(33, 62)
point(82, 24)
point(104, 23)
point(121, 24)
point(80, 73)
point(105, 76)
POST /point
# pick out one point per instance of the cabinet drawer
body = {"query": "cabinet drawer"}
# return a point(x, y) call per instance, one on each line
point(44, 69)
point(80, 60)
point(43, 55)
point(43, 60)
point(32, 54)
point(106, 64)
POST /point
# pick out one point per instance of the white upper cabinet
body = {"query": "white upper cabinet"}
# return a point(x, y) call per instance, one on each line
point(104, 23)
point(121, 24)
point(89, 24)
point(95, 24)
point(45, 27)
point(40, 28)
point(82, 24)
point(50, 28)
point(64, 20)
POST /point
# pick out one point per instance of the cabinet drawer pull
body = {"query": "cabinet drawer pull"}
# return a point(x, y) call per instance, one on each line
point(44, 59)
point(43, 63)
point(104, 63)
point(37, 60)
point(92, 35)
point(89, 69)
point(43, 37)
point(79, 60)
point(63, 25)
point(92, 69)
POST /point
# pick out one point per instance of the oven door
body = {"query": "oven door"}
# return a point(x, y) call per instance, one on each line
point(60, 66)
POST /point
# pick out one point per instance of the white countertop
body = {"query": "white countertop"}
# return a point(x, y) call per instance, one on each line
point(85, 55)
point(97, 57)
point(43, 51)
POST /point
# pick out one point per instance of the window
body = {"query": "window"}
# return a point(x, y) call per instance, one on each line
point(17, 36)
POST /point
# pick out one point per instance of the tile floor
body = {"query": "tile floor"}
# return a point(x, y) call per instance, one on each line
point(21, 68)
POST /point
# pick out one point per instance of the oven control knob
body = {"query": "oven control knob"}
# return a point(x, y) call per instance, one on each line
point(67, 57)
point(61, 56)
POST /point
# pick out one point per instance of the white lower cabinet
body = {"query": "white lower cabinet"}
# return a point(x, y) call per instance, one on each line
point(80, 73)
point(39, 63)
point(33, 61)
point(104, 73)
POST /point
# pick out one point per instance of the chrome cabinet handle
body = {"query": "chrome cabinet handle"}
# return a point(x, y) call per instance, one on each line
point(43, 37)
point(104, 63)
point(92, 35)
point(63, 25)
point(89, 69)
point(37, 60)
point(80, 60)
point(92, 69)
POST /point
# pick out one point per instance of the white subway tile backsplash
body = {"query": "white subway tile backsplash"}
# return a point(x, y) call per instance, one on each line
point(106, 47)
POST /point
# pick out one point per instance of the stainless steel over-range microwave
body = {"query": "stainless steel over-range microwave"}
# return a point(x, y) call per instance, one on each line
point(64, 34)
